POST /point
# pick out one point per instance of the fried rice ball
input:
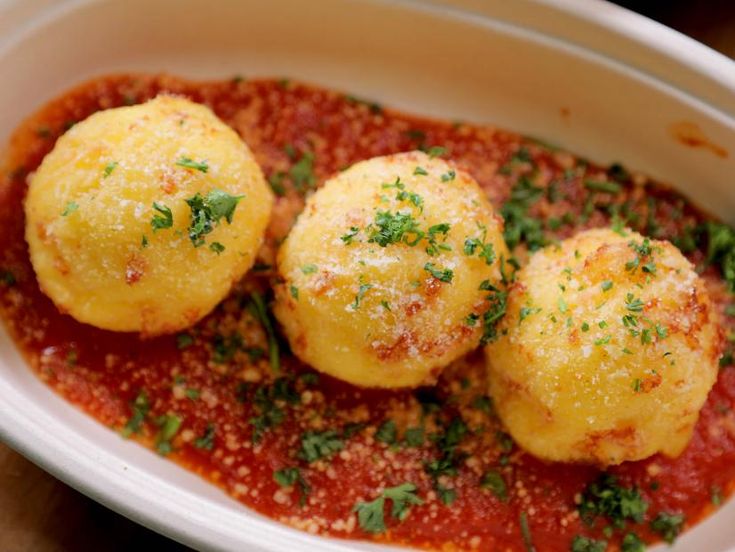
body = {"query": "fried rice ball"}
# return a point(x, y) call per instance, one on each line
point(607, 352)
point(141, 218)
point(382, 272)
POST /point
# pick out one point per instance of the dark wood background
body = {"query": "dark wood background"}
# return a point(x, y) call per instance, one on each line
point(40, 514)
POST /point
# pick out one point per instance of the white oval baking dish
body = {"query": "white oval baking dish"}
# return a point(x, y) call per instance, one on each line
point(623, 79)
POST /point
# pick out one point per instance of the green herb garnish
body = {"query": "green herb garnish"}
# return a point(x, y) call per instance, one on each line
point(163, 219)
point(370, 515)
point(189, 163)
point(207, 212)
point(70, 208)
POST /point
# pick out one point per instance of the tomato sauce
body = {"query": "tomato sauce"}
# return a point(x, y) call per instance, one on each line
point(211, 399)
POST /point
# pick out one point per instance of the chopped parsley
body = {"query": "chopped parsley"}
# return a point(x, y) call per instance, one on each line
point(603, 186)
point(259, 311)
point(302, 172)
point(109, 168)
point(414, 437)
point(441, 274)
point(420, 171)
point(217, 247)
point(163, 219)
point(206, 441)
point(361, 291)
point(294, 292)
point(387, 432)
point(668, 526)
point(389, 228)
point(448, 176)
point(496, 311)
point(526, 532)
point(484, 250)
point(447, 443)
point(617, 504)
point(225, 347)
point(189, 163)
point(445, 494)
point(207, 211)
point(494, 481)
point(288, 477)
point(632, 543)
point(525, 312)
point(349, 236)
point(169, 425)
point(70, 208)
point(471, 319)
point(183, 341)
point(309, 269)
point(316, 445)
point(268, 401)
point(436, 151)
point(586, 544)
point(606, 285)
point(721, 250)
point(434, 248)
point(371, 515)
point(643, 252)
point(276, 182)
point(140, 407)
point(404, 195)
point(519, 226)
point(633, 304)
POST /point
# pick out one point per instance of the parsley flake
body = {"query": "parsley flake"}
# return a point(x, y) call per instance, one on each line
point(206, 213)
point(603, 186)
point(349, 236)
point(206, 441)
point(387, 432)
point(371, 515)
point(668, 526)
point(140, 407)
point(449, 175)
point(586, 544)
point(163, 219)
point(70, 208)
point(169, 425)
point(494, 481)
point(443, 275)
point(189, 163)
point(316, 445)
point(390, 228)
point(109, 168)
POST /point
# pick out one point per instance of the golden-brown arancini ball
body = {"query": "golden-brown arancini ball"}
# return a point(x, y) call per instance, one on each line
point(607, 352)
point(141, 218)
point(383, 269)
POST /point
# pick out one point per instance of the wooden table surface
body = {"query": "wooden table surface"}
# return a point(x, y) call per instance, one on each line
point(38, 513)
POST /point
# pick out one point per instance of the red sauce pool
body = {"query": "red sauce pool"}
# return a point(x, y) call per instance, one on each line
point(218, 382)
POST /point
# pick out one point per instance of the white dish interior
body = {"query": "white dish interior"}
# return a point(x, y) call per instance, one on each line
point(473, 60)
